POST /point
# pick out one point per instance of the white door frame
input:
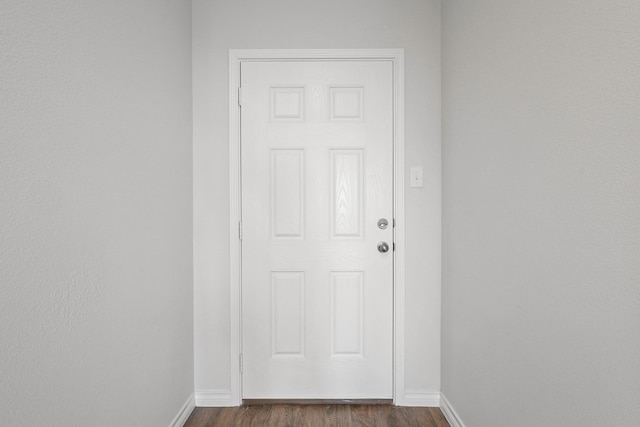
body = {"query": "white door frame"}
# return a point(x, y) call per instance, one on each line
point(236, 57)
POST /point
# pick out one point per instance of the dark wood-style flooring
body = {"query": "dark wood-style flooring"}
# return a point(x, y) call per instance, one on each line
point(284, 415)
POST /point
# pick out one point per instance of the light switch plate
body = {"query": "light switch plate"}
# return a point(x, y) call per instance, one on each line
point(415, 180)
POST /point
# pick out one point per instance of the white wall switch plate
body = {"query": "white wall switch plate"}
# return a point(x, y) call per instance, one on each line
point(415, 179)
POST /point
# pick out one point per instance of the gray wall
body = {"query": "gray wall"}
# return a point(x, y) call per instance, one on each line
point(95, 212)
point(541, 273)
point(221, 25)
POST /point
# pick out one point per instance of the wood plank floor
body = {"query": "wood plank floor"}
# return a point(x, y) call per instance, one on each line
point(284, 415)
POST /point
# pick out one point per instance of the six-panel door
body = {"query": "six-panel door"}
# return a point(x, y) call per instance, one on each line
point(317, 294)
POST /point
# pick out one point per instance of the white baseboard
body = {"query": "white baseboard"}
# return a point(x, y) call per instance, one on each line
point(213, 398)
point(429, 399)
point(184, 412)
point(449, 413)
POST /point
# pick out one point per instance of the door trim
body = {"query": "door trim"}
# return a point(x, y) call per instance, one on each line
point(236, 57)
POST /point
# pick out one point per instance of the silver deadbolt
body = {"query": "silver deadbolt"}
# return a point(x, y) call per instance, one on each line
point(383, 247)
point(383, 223)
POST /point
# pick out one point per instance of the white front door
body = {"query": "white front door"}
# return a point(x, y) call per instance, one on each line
point(317, 291)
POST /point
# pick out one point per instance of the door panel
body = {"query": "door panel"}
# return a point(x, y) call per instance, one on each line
point(317, 295)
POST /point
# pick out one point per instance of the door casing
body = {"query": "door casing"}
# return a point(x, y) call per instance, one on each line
point(236, 57)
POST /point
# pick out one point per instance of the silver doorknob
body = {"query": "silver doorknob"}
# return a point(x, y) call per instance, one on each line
point(383, 247)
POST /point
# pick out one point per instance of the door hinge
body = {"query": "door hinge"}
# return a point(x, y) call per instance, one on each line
point(240, 362)
point(240, 96)
point(240, 230)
